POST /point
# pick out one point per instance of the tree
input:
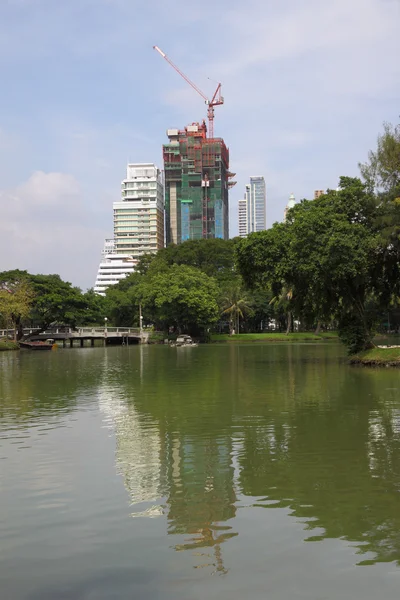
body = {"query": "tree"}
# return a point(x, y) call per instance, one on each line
point(235, 303)
point(15, 303)
point(215, 257)
point(382, 170)
point(56, 301)
point(326, 254)
point(181, 297)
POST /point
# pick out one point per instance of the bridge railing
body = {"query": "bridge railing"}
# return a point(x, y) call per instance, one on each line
point(122, 330)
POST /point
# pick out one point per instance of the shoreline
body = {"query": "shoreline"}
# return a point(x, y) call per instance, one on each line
point(250, 338)
point(377, 357)
point(8, 346)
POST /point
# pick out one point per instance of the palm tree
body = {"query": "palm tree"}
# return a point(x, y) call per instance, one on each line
point(236, 304)
point(283, 301)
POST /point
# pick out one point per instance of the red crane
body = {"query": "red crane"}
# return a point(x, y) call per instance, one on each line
point(216, 100)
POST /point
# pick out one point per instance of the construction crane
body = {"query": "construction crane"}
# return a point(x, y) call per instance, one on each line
point(216, 100)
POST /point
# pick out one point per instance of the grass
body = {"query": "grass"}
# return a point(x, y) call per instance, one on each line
point(8, 345)
point(271, 337)
point(377, 356)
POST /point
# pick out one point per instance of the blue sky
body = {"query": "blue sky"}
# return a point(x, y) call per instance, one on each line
point(307, 85)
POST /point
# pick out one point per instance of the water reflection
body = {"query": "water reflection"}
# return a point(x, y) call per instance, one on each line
point(203, 432)
point(314, 437)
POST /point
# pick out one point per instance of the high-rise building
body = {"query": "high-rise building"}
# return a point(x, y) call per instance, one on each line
point(139, 215)
point(197, 180)
point(113, 267)
point(290, 204)
point(318, 193)
point(242, 217)
point(138, 225)
point(252, 208)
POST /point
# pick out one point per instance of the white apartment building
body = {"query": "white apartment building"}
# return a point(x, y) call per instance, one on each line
point(139, 215)
point(242, 217)
point(113, 267)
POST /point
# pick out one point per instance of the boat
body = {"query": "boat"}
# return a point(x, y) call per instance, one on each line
point(184, 341)
point(47, 345)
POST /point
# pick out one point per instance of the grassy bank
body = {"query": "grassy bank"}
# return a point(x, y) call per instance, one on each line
point(271, 337)
point(386, 357)
point(8, 345)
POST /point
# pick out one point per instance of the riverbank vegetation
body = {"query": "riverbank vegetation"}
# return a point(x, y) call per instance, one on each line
point(8, 345)
point(377, 357)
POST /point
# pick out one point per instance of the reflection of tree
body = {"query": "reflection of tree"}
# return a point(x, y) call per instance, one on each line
point(328, 450)
point(33, 384)
point(201, 494)
point(195, 448)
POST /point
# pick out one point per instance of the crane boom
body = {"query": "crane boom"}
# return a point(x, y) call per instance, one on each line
point(185, 77)
point(216, 100)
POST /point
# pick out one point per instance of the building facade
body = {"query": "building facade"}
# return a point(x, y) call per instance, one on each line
point(242, 206)
point(197, 182)
point(138, 224)
point(139, 215)
point(318, 193)
point(252, 208)
point(113, 267)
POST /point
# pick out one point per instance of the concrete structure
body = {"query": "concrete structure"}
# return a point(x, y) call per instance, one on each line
point(318, 193)
point(197, 180)
point(242, 206)
point(254, 203)
point(113, 267)
point(109, 335)
point(139, 215)
point(290, 204)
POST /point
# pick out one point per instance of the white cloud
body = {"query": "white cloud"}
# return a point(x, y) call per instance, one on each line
point(44, 227)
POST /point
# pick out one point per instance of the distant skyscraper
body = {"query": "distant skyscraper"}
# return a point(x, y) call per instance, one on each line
point(318, 193)
point(252, 207)
point(243, 217)
point(290, 204)
point(197, 181)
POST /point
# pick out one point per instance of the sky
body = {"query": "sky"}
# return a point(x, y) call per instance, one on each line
point(307, 86)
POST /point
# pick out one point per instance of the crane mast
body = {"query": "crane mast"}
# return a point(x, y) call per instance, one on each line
point(216, 100)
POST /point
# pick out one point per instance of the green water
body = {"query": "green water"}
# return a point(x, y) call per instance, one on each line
point(217, 472)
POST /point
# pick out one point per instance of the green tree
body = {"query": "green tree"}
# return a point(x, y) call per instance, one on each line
point(16, 299)
point(236, 304)
point(382, 170)
point(180, 297)
point(326, 254)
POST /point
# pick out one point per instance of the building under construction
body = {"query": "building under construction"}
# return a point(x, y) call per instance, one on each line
point(197, 180)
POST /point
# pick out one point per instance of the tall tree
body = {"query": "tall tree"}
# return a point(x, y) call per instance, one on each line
point(16, 299)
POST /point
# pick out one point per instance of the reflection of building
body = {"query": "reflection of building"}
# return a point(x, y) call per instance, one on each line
point(137, 453)
point(197, 180)
point(290, 204)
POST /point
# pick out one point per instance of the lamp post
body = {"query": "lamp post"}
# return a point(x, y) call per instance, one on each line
point(105, 330)
point(140, 318)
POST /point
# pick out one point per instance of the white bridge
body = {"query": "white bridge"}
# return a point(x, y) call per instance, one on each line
point(125, 335)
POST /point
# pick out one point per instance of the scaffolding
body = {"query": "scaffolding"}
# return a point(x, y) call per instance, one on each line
point(197, 181)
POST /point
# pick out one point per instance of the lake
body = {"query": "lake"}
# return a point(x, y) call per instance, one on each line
point(218, 472)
